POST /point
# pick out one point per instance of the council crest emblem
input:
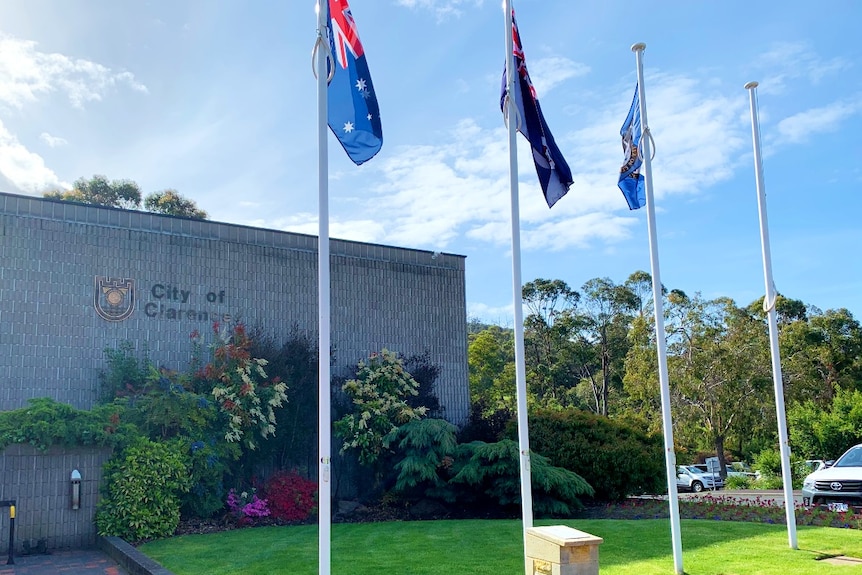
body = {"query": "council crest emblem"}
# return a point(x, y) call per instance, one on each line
point(114, 298)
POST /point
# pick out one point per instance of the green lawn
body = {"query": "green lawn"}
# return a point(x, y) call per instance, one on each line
point(479, 547)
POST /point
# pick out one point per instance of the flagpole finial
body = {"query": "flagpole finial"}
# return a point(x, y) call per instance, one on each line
point(639, 47)
point(751, 85)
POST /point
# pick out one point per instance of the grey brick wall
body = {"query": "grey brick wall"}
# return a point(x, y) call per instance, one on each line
point(52, 340)
point(40, 484)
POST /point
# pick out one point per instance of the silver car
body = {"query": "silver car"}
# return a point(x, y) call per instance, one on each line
point(690, 478)
point(838, 485)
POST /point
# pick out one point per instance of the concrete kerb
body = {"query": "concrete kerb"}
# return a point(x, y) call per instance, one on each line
point(132, 560)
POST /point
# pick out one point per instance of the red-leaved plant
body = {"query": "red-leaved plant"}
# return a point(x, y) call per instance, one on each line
point(290, 496)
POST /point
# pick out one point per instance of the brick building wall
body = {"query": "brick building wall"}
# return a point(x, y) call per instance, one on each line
point(40, 483)
point(187, 273)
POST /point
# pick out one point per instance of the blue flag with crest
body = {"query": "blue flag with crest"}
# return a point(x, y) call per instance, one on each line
point(353, 114)
point(555, 177)
point(631, 181)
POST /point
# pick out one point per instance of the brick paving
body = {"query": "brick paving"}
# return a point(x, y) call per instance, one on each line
point(77, 562)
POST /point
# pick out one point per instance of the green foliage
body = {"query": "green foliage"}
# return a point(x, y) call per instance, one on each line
point(99, 191)
point(238, 384)
point(171, 203)
point(379, 406)
point(737, 482)
point(126, 375)
point(45, 422)
point(615, 458)
point(768, 463)
point(425, 372)
point(492, 470)
point(428, 447)
point(142, 491)
point(293, 361)
point(491, 364)
point(818, 433)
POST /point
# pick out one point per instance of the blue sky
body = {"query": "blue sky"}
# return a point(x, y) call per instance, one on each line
point(217, 100)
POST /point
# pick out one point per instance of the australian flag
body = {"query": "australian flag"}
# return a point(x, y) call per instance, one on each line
point(353, 114)
point(631, 181)
point(555, 176)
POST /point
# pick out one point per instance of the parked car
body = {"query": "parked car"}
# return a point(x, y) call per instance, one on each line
point(738, 469)
point(690, 478)
point(838, 484)
point(812, 465)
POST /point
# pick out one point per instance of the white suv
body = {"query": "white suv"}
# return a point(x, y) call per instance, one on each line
point(693, 479)
point(839, 484)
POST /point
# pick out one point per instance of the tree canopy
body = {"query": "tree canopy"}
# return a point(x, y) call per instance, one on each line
point(126, 194)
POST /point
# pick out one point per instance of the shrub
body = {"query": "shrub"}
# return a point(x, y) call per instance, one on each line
point(246, 506)
point(737, 482)
point(768, 463)
point(428, 447)
point(615, 458)
point(290, 496)
point(294, 361)
point(142, 490)
point(239, 385)
point(425, 372)
point(378, 406)
point(492, 471)
point(126, 374)
point(45, 422)
point(485, 424)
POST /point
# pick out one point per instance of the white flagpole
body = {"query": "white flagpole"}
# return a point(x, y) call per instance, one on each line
point(520, 369)
point(667, 423)
point(769, 307)
point(324, 484)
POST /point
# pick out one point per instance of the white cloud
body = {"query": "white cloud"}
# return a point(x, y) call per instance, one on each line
point(787, 61)
point(547, 73)
point(52, 141)
point(429, 196)
point(26, 73)
point(496, 315)
point(798, 127)
point(23, 169)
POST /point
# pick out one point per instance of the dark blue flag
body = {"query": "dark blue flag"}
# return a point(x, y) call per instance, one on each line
point(353, 114)
point(631, 181)
point(554, 174)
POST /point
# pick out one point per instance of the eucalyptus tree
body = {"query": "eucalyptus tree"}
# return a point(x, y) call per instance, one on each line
point(719, 366)
point(491, 363)
point(552, 363)
point(821, 354)
point(605, 316)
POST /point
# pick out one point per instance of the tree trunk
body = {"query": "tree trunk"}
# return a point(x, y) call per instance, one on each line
point(719, 451)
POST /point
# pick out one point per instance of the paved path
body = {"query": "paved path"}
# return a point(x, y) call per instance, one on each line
point(77, 562)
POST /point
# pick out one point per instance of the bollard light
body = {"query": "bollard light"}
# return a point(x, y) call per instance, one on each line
point(76, 489)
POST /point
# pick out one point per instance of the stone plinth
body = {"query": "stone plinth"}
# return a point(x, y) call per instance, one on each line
point(561, 550)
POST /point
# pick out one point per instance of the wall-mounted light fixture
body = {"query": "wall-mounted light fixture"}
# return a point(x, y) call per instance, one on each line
point(76, 489)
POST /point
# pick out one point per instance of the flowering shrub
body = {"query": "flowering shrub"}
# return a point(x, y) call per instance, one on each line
point(379, 400)
point(240, 387)
point(719, 508)
point(290, 496)
point(246, 507)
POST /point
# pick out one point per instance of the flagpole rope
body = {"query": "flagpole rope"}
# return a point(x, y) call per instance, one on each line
point(330, 63)
point(768, 306)
point(648, 134)
point(506, 114)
